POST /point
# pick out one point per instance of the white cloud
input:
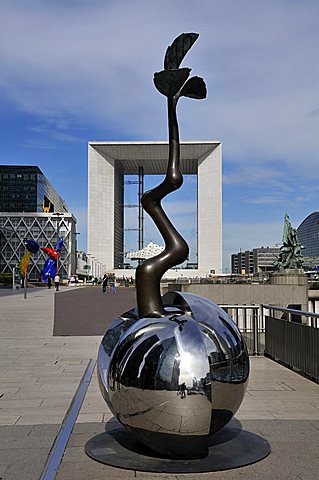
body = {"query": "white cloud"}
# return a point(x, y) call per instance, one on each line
point(95, 63)
point(89, 65)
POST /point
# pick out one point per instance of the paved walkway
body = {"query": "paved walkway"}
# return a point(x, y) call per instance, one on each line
point(87, 311)
point(39, 375)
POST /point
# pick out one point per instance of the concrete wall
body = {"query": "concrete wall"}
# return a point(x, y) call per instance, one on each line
point(281, 295)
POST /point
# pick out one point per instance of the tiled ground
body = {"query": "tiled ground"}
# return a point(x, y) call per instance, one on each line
point(39, 375)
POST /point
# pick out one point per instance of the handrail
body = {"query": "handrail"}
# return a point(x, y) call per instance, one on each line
point(244, 307)
point(291, 342)
point(255, 326)
point(291, 310)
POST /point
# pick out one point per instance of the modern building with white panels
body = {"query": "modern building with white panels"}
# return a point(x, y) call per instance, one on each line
point(31, 208)
point(18, 227)
point(109, 162)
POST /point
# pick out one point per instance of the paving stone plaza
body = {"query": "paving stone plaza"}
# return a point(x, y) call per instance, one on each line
point(40, 373)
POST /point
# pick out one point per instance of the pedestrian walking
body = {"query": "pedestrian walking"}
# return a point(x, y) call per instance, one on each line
point(113, 283)
point(57, 282)
point(49, 281)
point(104, 283)
point(183, 390)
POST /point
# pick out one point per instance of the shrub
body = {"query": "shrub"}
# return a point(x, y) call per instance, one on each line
point(5, 278)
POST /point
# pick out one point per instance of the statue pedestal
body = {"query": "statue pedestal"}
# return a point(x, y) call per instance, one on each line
point(231, 447)
point(292, 276)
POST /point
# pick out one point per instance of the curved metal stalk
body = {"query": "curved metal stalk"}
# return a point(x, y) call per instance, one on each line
point(149, 273)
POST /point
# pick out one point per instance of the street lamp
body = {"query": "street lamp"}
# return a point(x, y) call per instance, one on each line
point(57, 214)
point(93, 266)
point(91, 260)
point(76, 250)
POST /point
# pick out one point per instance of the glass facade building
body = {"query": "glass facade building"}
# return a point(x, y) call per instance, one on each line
point(30, 208)
point(45, 228)
point(26, 189)
point(308, 236)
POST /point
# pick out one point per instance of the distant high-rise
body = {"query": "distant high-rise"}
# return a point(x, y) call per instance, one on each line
point(26, 189)
point(308, 236)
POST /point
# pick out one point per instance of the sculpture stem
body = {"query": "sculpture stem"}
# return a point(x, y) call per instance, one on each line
point(150, 272)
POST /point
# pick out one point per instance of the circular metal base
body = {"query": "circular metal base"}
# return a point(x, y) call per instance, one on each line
point(231, 447)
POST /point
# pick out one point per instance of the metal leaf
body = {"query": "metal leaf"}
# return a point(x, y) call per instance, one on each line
point(177, 51)
point(195, 87)
point(169, 82)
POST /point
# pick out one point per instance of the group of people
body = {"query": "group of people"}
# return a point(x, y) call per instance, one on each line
point(57, 280)
point(109, 280)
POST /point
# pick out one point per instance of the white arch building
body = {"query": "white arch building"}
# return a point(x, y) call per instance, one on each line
point(109, 162)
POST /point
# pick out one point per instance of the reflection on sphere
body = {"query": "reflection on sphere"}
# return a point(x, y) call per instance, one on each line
point(175, 380)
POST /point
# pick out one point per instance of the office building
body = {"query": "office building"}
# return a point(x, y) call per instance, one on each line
point(109, 162)
point(242, 262)
point(30, 208)
point(254, 261)
point(26, 189)
point(308, 236)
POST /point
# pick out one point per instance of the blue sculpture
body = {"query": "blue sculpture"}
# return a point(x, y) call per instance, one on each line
point(32, 246)
point(50, 266)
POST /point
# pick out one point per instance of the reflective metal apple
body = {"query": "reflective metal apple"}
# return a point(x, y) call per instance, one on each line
point(176, 380)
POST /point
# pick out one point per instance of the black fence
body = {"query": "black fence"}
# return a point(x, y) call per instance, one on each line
point(294, 344)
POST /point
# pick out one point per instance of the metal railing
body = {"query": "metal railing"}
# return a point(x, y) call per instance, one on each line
point(293, 339)
point(251, 322)
point(284, 334)
point(306, 318)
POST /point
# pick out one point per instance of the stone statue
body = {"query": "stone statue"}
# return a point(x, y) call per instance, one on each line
point(290, 256)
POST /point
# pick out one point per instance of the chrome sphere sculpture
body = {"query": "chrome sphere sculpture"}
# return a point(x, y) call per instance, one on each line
point(175, 369)
point(172, 381)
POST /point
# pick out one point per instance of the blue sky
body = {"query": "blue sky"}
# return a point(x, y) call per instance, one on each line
point(74, 71)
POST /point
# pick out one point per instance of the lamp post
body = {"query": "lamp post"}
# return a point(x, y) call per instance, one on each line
point(93, 266)
point(91, 263)
point(25, 266)
point(76, 250)
point(58, 214)
point(13, 278)
point(87, 267)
